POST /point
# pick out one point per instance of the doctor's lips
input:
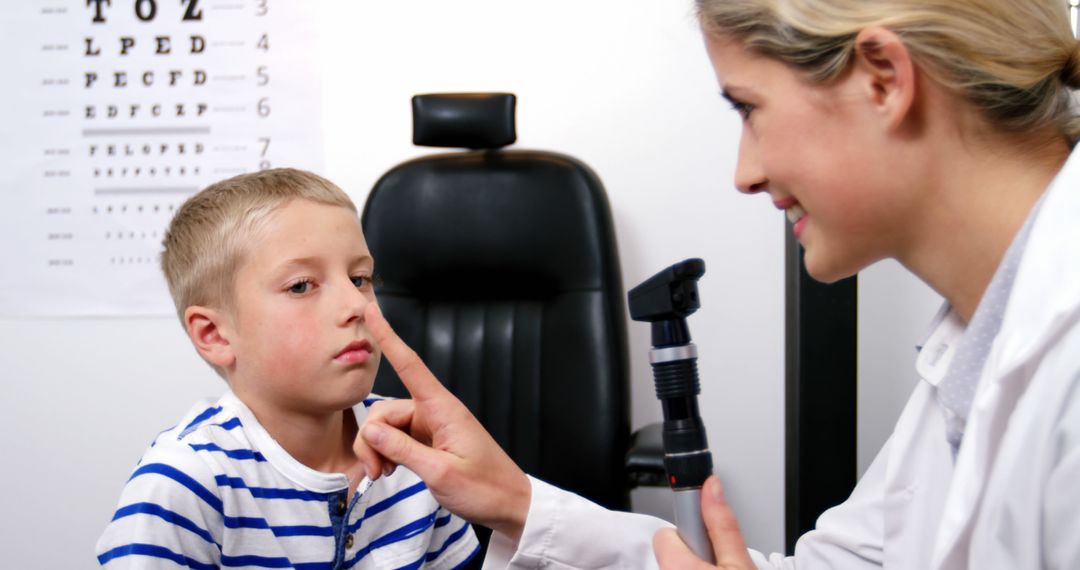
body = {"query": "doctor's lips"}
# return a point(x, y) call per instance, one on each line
point(791, 207)
point(357, 352)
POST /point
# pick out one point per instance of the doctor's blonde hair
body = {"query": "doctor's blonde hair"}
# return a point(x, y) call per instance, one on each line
point(208, 237)
point(1016, 61)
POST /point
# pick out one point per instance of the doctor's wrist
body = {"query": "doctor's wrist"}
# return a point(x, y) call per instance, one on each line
point(514, 500)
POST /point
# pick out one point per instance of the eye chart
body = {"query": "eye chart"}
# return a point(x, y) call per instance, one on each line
point(113, 112)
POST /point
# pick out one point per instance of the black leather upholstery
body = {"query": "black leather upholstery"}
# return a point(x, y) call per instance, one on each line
point(464, 120)
point(501, 270)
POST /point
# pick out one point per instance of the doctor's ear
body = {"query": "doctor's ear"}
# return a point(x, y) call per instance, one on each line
point(209, 331)
point(884, 65)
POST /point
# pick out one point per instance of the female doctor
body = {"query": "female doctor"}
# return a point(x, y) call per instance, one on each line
point(934, 132)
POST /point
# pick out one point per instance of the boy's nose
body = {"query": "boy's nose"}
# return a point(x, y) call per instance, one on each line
point(353, 303)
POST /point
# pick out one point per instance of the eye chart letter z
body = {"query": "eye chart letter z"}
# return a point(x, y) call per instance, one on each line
point(114, 112)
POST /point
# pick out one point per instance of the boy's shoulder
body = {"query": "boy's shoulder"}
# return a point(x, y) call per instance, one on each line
point(221, 432)
point(208, 425)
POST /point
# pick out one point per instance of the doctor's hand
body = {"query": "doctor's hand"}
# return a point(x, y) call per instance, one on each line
point(436, 436)
point(724, 534)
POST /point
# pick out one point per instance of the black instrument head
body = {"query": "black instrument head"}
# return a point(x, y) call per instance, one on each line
point(666, 299)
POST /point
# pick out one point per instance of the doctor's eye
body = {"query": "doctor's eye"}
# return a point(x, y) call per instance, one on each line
point(743, 109)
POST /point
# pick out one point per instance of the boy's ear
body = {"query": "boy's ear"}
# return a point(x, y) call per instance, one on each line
point(883, 65)
point(209, 331)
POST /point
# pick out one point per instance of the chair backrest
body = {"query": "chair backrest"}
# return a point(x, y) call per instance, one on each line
point(500, 268)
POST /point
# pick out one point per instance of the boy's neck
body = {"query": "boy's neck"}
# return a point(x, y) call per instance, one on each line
point(321, 442)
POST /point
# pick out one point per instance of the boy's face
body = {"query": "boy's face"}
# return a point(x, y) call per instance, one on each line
point(297, 328)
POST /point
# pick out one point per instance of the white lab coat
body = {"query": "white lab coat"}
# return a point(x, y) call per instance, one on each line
point(1011, 499)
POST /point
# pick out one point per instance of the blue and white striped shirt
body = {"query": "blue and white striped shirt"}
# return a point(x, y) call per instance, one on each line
point(217, 491)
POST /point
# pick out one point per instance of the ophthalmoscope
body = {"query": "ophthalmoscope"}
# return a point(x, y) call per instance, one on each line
point(665, 300)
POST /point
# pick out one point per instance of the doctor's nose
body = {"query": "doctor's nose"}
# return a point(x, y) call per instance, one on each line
point(749, 176)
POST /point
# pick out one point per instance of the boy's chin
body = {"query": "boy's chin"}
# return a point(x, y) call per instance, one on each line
point(358, 390)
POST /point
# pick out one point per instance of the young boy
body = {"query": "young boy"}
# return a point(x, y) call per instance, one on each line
point(270, 274)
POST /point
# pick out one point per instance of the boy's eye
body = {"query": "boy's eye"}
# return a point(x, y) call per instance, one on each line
point(361, 281)
point(300, 287)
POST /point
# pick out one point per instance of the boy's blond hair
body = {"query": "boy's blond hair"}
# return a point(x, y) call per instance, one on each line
point(207, 239)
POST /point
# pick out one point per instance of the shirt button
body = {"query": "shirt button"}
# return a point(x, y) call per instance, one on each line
point(341, 506)
point(348, 541)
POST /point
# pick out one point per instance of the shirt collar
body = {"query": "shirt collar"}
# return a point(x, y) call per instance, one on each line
point(938, 348)
point(278, 457)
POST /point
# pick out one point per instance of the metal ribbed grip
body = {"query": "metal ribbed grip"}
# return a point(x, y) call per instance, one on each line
point(678, 379)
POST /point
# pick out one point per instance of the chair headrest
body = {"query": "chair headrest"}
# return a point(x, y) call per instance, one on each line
point(519, 224)
point(464, 120)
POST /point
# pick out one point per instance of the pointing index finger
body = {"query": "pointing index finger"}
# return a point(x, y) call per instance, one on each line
point(418, 380)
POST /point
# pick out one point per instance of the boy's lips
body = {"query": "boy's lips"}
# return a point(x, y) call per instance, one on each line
point(357, 352)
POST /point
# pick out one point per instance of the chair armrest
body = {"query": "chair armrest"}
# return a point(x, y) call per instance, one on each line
point(645, 458)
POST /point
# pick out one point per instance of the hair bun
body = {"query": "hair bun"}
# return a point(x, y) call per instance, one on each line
point(1070, 72)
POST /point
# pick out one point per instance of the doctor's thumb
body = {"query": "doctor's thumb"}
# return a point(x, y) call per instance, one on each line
point(727, 540)
point(396, 446)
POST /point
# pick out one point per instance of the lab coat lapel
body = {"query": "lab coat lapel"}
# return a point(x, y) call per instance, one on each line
point(1042, 304)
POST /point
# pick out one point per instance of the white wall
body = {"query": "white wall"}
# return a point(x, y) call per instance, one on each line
point(895, 310)
point(622, 84)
